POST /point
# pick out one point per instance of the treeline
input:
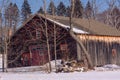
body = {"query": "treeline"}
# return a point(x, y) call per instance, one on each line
point(64, 10)
point(12, 16)
point(61, 10)
point(92, 10)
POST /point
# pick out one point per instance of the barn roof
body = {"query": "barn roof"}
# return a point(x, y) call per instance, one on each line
point(91, 26)
point(88, 25)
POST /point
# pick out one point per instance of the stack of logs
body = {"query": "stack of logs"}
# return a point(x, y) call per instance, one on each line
point(72, 66)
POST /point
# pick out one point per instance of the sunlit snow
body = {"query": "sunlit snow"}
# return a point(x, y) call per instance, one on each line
point(66, 26)
point(107, 72)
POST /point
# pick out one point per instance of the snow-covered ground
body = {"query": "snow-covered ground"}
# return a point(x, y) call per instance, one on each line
point(108, 67)
point(107, 72)
point(91, 75)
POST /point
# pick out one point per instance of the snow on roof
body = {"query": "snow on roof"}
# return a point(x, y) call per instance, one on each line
point(76, 30)
point(79, 31)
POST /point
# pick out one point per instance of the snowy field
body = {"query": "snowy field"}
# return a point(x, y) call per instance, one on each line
point(107, 72)
point(91, 75)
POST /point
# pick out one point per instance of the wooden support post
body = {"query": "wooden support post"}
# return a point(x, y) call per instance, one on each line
point(78, 52)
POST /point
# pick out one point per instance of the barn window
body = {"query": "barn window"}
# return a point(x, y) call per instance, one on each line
point(40, 48)
point(38, 34)
point(33, 48)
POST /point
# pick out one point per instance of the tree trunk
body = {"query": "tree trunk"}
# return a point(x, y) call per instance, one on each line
point(55, 45)
point(53, 13)
point(1, 31)
point(82, 46)
point(47, 40)
point(77, 39)
point(6, 56)
point(79, 56)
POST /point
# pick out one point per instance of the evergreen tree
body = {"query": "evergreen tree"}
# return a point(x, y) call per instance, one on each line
point(9, 12)
point(26, 10)
point(16, 12)
point(88, 10)
point(61, 9)
point(11, 16)
point(41, 10)
point(78, 10)
point(51, 8)
point(68, 11)
point(16, 16)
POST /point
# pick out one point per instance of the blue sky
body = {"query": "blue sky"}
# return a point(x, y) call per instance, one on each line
point(35, 4)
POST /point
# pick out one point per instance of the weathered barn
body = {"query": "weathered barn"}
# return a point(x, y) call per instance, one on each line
point(28, 43)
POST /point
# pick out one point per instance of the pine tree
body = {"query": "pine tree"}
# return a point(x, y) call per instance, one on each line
point(16, 16)
point(68, 11)
point(61, 9)
point(12, 16)
point(78, 10)
point(51, 8)
point(41, 10)
point(16, 12)
point(26, 10)
point(88, 10)
point(8, 12)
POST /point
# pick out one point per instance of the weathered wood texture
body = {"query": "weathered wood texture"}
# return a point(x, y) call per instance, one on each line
point(102, 49)
point(33, 33)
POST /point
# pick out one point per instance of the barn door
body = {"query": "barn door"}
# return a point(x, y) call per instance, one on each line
point(38, 54)
point(64, 50)
point(25, 59)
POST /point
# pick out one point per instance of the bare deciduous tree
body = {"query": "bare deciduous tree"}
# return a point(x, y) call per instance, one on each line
point(4, 36)
point(112, 15)
point(94, 8)
point(53, 13)
point(47, 40)
point(1, 32)
point(78, 40)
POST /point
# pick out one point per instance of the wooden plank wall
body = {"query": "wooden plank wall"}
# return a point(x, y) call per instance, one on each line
point(101, 49)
